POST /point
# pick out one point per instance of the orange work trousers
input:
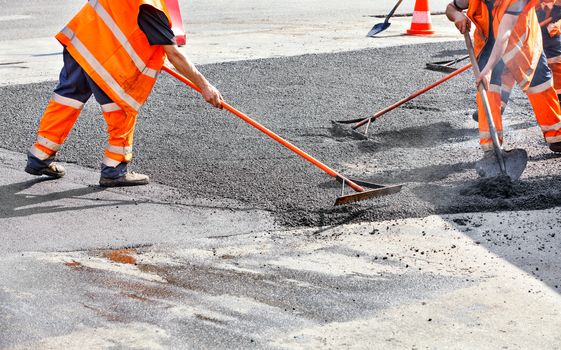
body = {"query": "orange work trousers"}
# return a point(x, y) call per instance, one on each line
point(68, 99)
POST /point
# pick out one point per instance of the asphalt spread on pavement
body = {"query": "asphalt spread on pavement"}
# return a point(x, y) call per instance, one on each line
point(430, 144)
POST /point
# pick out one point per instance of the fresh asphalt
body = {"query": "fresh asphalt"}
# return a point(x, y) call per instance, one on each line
point(429, 145)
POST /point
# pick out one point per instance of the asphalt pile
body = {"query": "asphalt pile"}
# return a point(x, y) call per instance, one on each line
point(430, 144)
point(493, 187)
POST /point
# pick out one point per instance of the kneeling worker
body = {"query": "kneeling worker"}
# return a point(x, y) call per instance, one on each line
point(508, 36)
point(113, 50)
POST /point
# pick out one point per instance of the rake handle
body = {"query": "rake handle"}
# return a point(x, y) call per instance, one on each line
point(271, 134)
point(409, 98)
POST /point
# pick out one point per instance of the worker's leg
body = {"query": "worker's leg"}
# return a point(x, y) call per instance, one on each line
point(494, 97)
point(552, 50)
point(545, 104)
point(118, 152)
point(59, 117)
point(507, 84)
point(555, 66)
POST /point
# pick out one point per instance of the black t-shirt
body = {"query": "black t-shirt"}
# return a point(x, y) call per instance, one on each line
point(155, 25)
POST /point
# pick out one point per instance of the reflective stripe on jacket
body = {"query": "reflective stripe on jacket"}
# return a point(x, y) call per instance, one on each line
point(525, 44)
point(106, 41)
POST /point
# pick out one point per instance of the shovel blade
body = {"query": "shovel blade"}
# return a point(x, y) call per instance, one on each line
point(362, 196)
point(515, 164)
point(378, 28)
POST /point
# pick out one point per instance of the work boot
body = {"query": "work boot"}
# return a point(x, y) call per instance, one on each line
point(54, 170)
point(489, 154)
point(129, 179)
point(555, 147)
point(475, 115)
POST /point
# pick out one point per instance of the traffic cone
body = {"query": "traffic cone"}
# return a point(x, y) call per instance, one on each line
point(421, 23)
point(176, 22)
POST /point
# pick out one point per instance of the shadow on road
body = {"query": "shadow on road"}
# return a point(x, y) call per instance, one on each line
point(530, 244)
point(15, 203)
point(431, 135)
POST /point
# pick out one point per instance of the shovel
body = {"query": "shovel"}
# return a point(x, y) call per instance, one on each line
point(361, 193)
point(507, 163)
point(380, 27)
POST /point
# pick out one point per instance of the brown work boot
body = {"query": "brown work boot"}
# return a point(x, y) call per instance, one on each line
point(555, 147)
point(475, 115)
point(129, 179)
point(54, 170)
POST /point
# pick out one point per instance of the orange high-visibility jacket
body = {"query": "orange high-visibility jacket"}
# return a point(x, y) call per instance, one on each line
point(525, 43)
point(105, 39)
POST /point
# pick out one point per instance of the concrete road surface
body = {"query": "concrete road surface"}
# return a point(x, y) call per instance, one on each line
point(39, 18)
point(217, 31)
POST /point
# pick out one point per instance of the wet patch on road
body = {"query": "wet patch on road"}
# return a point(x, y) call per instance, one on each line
point(245, 289)
point(283, 287)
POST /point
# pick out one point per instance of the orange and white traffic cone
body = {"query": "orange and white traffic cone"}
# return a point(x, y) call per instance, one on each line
point(176, 22)
point(421, 23)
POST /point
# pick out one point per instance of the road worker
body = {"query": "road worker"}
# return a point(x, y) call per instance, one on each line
point(508, 36)
point(113, 50)
point(548, 11)
point(551, 33)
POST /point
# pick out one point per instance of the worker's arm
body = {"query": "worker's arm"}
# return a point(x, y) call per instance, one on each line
point(501, 42)
point(188, 69)
point(555, 17)
point(454, 12)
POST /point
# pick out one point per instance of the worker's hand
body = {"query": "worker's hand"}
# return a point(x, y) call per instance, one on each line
point(483, 78)
point(462, 22)
point(212, 96)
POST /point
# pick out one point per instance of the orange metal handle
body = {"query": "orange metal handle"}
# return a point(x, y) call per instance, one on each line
point(269, 133)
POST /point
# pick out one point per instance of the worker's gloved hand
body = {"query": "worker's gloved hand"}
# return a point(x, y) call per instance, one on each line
point(212, 96)
point(462, 22)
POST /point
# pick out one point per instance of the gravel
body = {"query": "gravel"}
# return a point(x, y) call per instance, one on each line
point(430, 144)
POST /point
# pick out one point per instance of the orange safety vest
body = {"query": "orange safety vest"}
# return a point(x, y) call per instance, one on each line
point(106, 41)
point(525, 44)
